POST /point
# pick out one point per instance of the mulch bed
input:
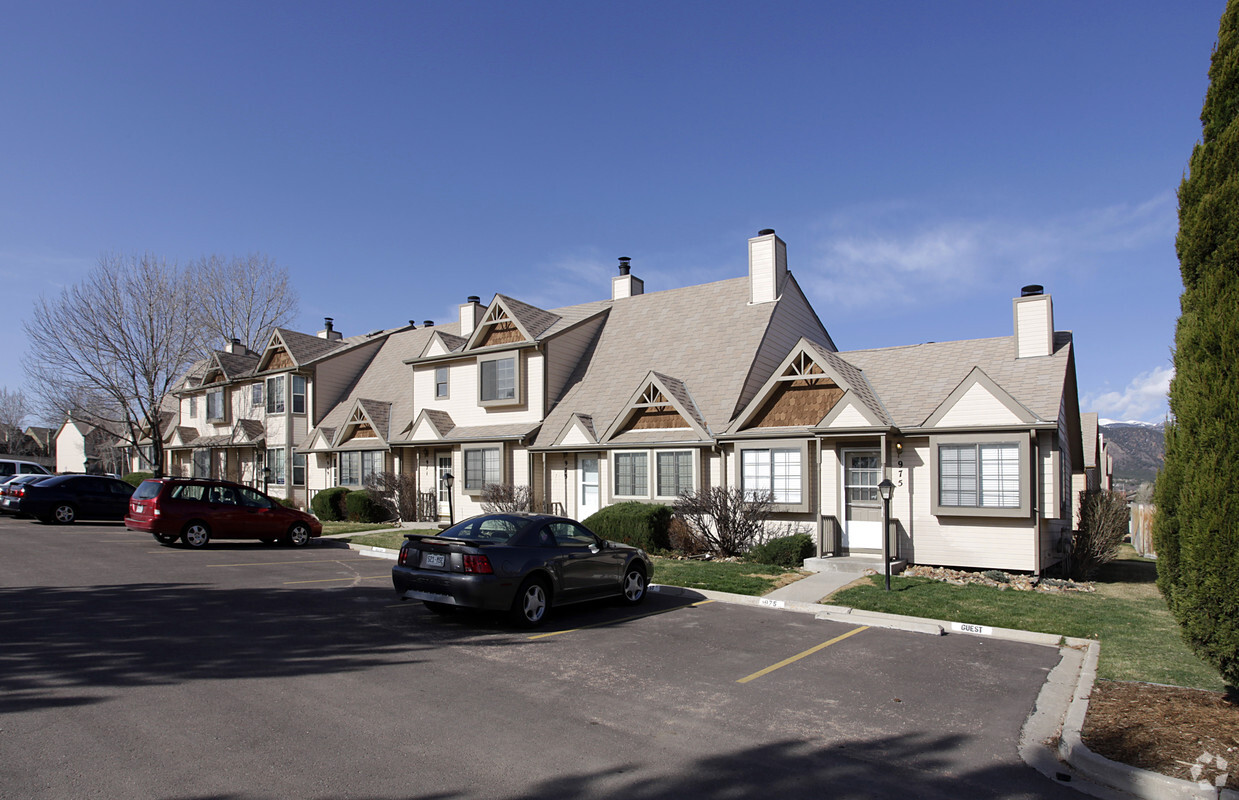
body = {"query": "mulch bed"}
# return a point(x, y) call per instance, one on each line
point(1183, 733)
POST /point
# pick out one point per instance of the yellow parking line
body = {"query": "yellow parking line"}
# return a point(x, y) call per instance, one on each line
point(799, 656)
point(614, 621)
point(337, 580)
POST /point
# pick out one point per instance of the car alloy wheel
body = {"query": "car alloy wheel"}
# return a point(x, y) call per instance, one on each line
point(529, 608)
point(64, 514)
point(196, 534)
point(634, 586)
point(299, 535)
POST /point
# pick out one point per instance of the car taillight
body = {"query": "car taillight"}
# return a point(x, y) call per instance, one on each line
point(404, 555)
point(478, 564)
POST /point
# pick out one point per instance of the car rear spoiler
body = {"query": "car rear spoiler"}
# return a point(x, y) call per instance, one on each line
point(437, 539)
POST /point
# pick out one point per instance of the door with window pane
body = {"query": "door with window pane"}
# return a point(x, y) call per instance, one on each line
point(587, 499)
point(862, 526)
point(443, 468)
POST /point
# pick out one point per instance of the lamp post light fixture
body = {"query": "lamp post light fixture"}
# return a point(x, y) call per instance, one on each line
point(449, 480)
point(886, 489)
point(266, 479)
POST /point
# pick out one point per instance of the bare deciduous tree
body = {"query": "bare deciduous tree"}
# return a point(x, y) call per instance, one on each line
point(110, 348)
point(244, 298)
point(727, 521)
point(505, 498)
point(13, 412)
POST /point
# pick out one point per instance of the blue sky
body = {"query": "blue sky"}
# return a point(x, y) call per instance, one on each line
point(923, 161)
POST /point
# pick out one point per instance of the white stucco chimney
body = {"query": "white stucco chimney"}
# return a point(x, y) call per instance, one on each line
point(470, 315)
point(1034, 323)
point(625, 284)
point(767, 266)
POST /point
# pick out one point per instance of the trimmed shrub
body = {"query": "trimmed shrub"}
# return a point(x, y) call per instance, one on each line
point(641, 525)
point(134, 478)
point(328, 504)
point(785, 551)
point(360, 507)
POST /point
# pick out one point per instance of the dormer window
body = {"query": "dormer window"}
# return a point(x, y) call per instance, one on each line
point(275, 395)
point(499, 380)
point(216, 407)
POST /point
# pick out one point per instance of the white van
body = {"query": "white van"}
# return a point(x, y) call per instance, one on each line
point(10, 467)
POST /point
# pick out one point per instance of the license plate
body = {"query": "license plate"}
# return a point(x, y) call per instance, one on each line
point(137, 509)
point(438, 560)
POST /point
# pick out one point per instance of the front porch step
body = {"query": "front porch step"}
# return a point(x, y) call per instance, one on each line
point(853, 564)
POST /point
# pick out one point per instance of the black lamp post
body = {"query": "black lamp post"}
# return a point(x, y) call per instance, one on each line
point(266, 478)
point(449, 480)
point(886, 488)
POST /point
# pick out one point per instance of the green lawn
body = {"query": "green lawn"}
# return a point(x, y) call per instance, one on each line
point(391, 539)
point(1139, 639)
point(719, 576)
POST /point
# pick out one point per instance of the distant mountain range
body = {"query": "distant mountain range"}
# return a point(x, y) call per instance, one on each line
point(1138, 448)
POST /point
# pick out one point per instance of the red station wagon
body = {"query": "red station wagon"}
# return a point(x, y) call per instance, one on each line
point(197, 510)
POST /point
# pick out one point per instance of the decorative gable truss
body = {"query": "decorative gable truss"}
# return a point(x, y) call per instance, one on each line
point(509, 321)
point(276, 355)
point(498, 327)
point(803, 391)
point(978, 401)
point(660, 403)
point(367, 422)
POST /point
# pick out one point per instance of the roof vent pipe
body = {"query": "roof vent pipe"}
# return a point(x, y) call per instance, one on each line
point(625, 284)
point(765, 231)
point(473, 298)
point(623, 265)
point(1032, 290)
point(327, 323)
point(430, 323)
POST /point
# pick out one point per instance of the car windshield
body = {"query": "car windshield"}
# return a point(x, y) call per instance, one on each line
point(493, 528)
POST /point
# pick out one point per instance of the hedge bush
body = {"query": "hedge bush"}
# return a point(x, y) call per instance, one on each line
point(360, 507)
point(785, 551)
point(134, 478)
point(328, 504)
point(641, 525)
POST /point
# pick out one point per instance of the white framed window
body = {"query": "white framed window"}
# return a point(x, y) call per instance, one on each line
point(499, 379)
point(777, 468)
point(275, 394)
point(193, 407)
point(483, 466)
point(632, 474)
point(356, 466)
point(256, 395)
point(441, 382)
point(275, 462)
point(298, 469)
point(673, 473)
point(979, 475)
point(216, 406)
point(298, 394)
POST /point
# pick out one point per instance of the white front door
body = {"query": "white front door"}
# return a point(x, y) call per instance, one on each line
point(862, 526)
point(444, 467)
point(587, 492)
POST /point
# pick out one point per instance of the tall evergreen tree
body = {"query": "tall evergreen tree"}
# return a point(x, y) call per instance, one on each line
point(1197, 495)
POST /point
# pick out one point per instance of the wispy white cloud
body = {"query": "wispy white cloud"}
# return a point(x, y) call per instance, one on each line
point(871, 254)
point(1143, 400)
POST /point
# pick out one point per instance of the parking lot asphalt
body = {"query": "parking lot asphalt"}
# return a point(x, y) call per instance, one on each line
point(130, 669)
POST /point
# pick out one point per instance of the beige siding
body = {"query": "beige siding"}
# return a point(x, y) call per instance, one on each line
point(975, 542)
point(1034, 320)
point(462, 402)
point(977, 407)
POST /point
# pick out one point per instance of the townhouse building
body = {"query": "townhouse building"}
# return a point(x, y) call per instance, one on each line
point(644, 395)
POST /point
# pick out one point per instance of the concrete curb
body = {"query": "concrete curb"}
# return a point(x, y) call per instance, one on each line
point(1050, 741)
